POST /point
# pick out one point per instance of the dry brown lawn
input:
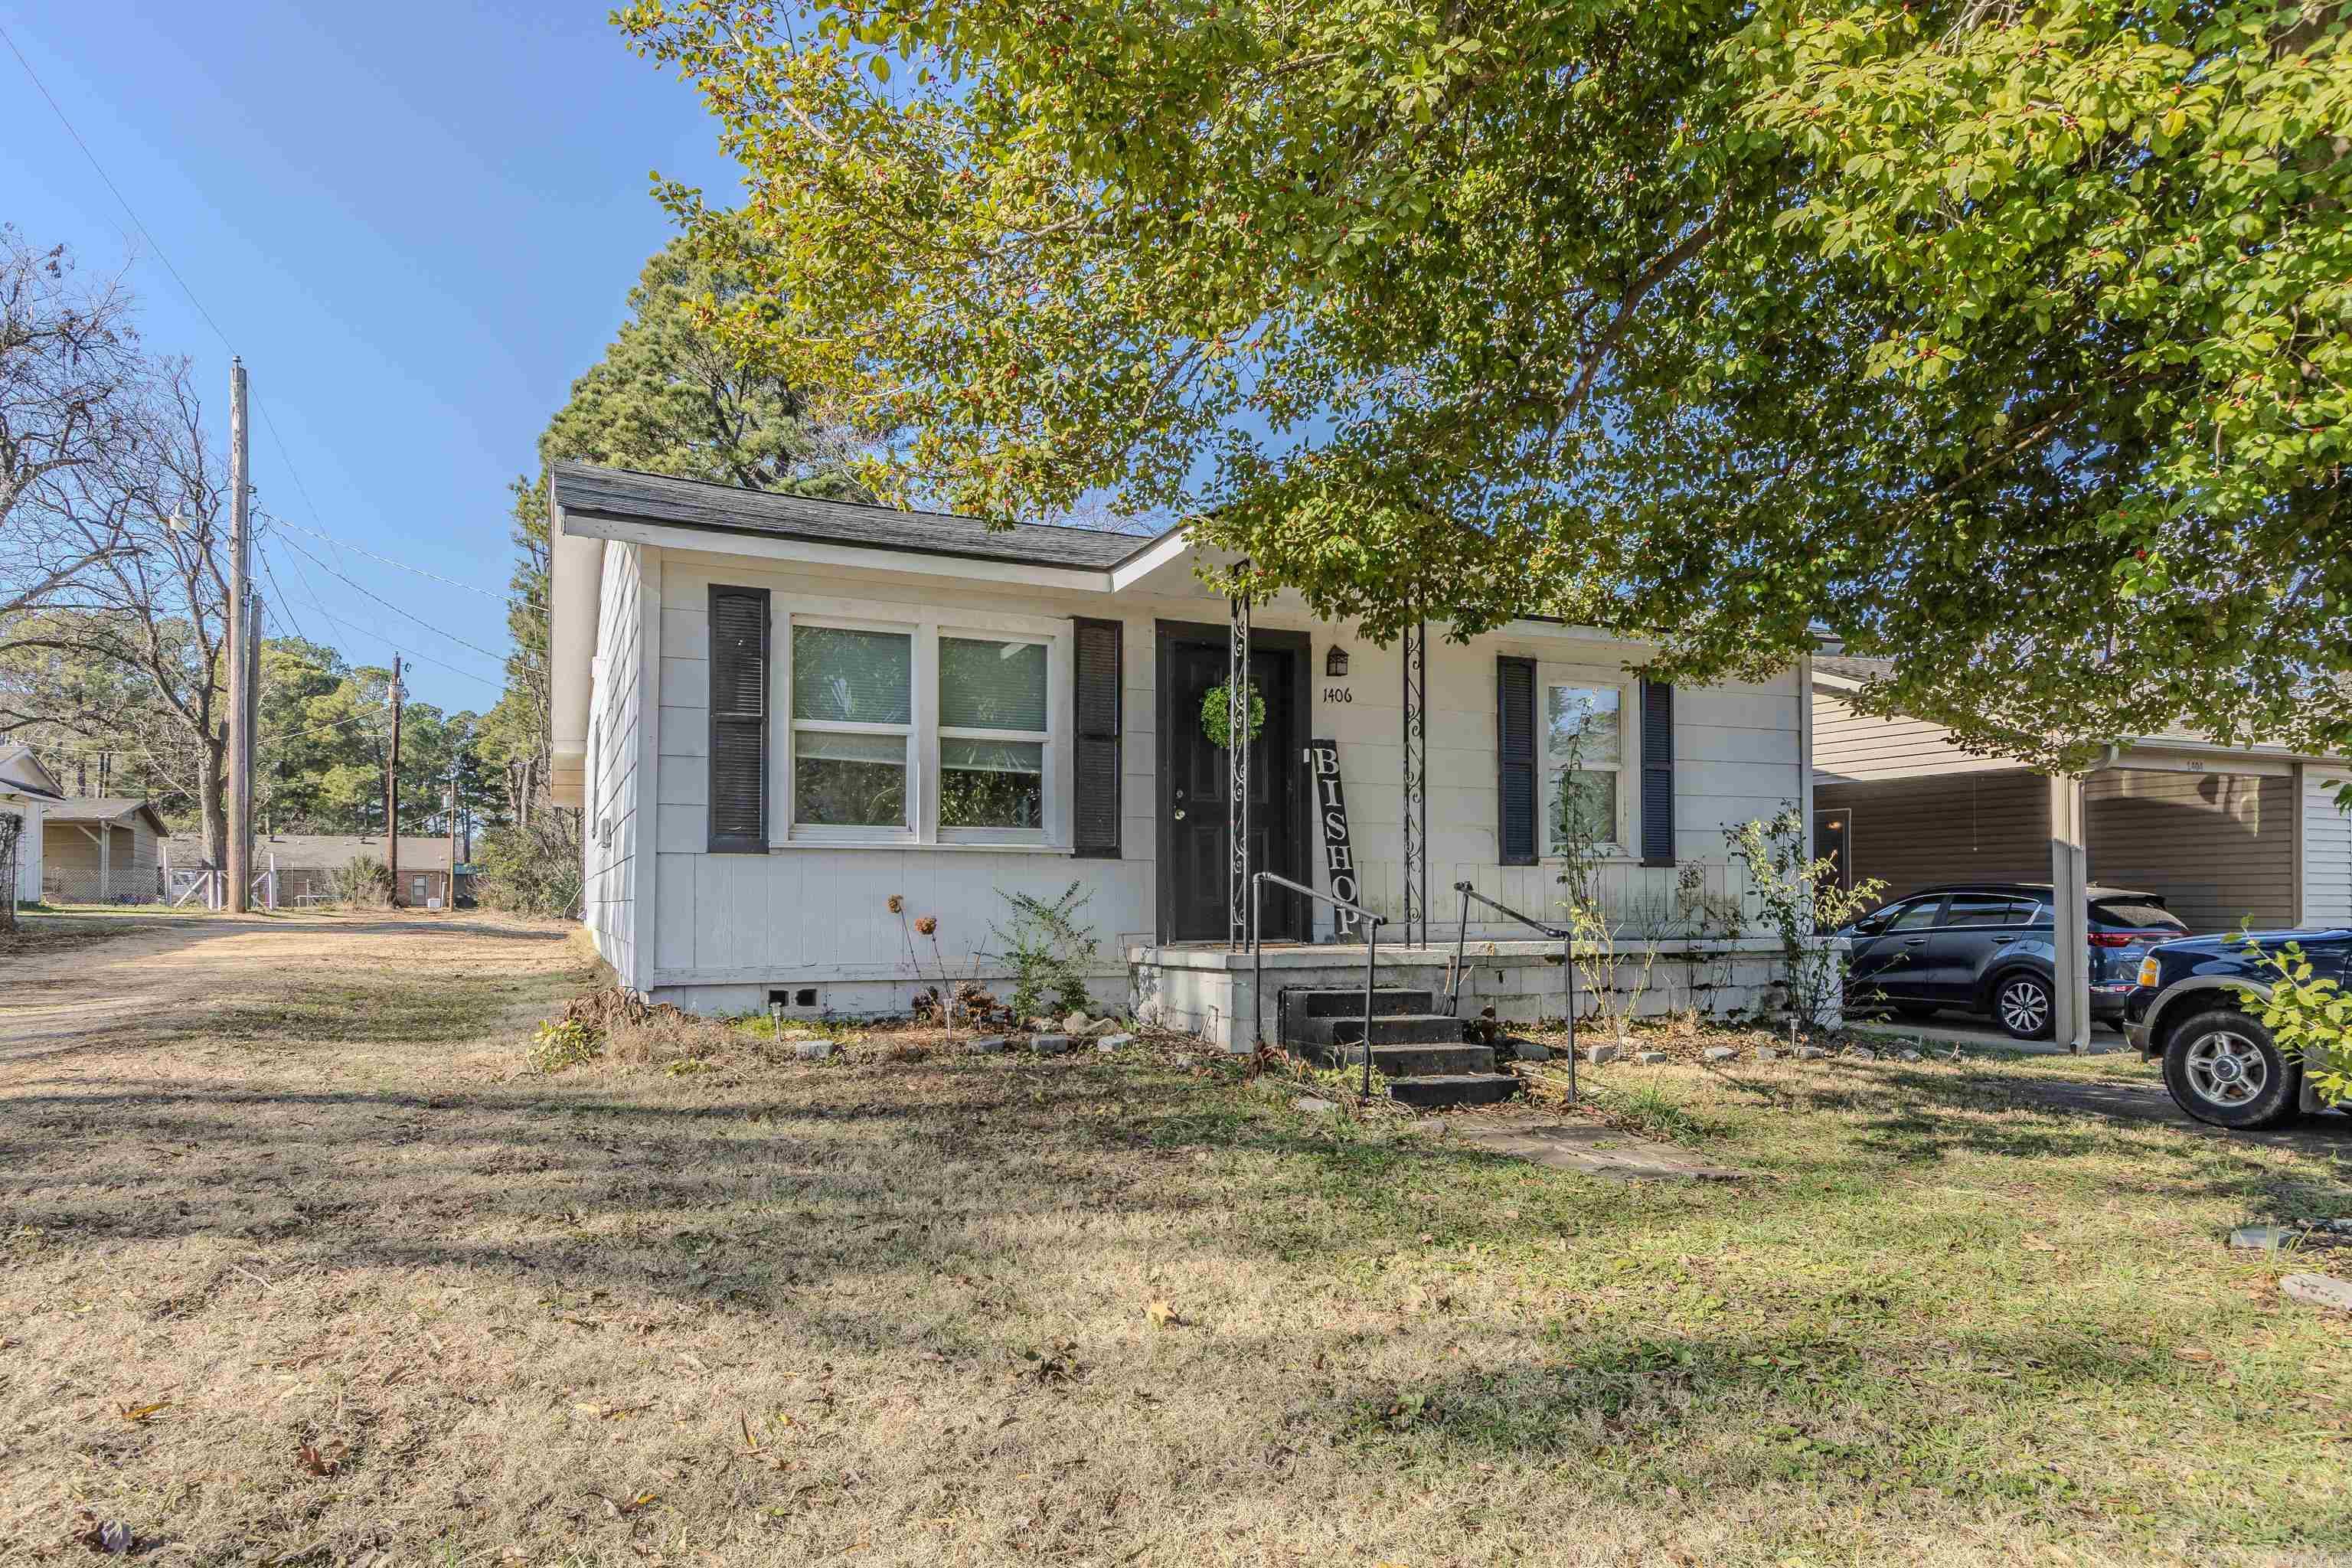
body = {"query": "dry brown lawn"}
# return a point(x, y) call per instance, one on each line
point(298, 1264)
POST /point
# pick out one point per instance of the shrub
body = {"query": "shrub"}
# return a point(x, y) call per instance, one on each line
point(1049, 950)
point(2310, 1019)
point(561, 1044)
point(363, 882)
point(533, 869)
point(1798, 899)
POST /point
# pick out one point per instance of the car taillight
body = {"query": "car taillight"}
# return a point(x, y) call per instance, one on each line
point(2148, 974)
point(2110, 938)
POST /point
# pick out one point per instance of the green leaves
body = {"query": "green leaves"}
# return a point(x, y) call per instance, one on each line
point(2013, 347)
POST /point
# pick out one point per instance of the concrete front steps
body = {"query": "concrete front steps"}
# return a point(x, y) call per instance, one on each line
point(1422, 1053)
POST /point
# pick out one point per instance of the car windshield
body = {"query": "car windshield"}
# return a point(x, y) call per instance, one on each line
point(2134, 914)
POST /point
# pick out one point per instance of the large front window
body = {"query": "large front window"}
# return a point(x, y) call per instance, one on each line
point(925, 731)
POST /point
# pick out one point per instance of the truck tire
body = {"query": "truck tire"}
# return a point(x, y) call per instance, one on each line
point(2224, 1068)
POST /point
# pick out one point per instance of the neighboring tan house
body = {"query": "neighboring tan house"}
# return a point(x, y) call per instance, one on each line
point(2223, 834)
point(101, 851)
point(308, 865)
point(779, 713)
point(27, 790)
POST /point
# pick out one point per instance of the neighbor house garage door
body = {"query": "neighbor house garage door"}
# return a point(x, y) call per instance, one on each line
point(2327, 850)
point(2218, 848)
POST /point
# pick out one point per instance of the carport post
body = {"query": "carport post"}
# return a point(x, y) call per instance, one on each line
point(2070, 915)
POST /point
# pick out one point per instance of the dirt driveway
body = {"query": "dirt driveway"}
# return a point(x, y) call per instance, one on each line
point(78, 983)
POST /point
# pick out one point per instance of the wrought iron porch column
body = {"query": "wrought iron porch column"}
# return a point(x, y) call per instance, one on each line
point(1416, 783)
point(1237, 780)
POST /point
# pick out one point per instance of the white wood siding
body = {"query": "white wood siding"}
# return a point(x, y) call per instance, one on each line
point(805, 914)
point(2327, 850)
point(1851, 747)
point(612, 823)
point(28, 850)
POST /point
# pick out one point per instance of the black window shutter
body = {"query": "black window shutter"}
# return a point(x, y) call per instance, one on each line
point(1657, 774)
point(738, 721)
point(1515, 759)
point(1096, 708)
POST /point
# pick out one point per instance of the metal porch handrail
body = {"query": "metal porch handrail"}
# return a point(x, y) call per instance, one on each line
point(1565, 936)
point(1372, 923)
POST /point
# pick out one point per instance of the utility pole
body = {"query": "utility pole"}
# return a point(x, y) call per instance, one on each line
point(240, 700)
point(392, 790)
point(450, 902)
point(252, 676)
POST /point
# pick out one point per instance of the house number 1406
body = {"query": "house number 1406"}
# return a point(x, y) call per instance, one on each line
point(1338, 694)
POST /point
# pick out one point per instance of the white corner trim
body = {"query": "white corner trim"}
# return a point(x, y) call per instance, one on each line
point(1170, 546)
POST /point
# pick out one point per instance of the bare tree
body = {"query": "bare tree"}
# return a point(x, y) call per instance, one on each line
point(136, 650)
point(71, 377)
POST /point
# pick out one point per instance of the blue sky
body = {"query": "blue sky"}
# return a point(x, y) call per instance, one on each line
point(417, 223)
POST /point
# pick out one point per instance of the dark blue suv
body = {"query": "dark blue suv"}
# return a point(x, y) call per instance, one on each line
point(1986, 947)
point(2192, 1008)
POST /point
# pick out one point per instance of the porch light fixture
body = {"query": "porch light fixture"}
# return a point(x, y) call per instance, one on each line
point(1335, 663)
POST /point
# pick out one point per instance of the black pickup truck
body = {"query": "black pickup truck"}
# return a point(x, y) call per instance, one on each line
point(2196, 1007)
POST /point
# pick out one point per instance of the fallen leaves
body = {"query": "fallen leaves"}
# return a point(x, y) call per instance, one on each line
point(1164, 1316)
point(321, 1461)
point(140, 1415)
point(621, 1509)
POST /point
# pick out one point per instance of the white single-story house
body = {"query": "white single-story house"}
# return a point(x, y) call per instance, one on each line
point(2225, 834)
point(780, 713)
point(27, 789)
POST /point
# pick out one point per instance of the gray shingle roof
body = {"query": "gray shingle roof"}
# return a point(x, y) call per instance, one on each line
point(102, 808)
point(1852, 668)
point(323, 851)
point(619, 493)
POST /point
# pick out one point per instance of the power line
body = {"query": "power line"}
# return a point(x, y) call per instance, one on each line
point(110, 186)
point(395, 609)
point(293, 471)
point(374, 635)
point(388, 560)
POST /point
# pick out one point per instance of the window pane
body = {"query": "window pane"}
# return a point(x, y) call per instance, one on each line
point(1583, 807)
point(992, 685)
point(1582, 725)
point(1987, 909)
point(849, 780)
point(1915, 917)
point(859, 678)
point(991, 783)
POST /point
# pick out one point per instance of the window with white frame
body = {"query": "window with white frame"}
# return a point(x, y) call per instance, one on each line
point(852, 729)
point(931, 731)
point(1585, 795)
point(993, 739)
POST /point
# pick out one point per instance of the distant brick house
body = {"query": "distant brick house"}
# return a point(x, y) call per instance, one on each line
point(308, 865)
point(102, 850)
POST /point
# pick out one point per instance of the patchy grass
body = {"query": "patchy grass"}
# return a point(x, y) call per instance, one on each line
point(402, 1296)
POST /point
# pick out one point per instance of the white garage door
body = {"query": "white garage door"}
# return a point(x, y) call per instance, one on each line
point(2327, 850)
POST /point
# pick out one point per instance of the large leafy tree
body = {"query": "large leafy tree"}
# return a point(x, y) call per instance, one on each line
point(2010, 341)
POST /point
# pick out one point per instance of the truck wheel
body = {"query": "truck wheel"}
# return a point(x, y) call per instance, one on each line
point(2021, 1005)
point(2223, 1068)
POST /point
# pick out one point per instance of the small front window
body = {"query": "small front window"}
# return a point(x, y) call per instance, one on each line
point(1584, 756)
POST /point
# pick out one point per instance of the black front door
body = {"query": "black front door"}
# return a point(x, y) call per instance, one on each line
point(1193, 783)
